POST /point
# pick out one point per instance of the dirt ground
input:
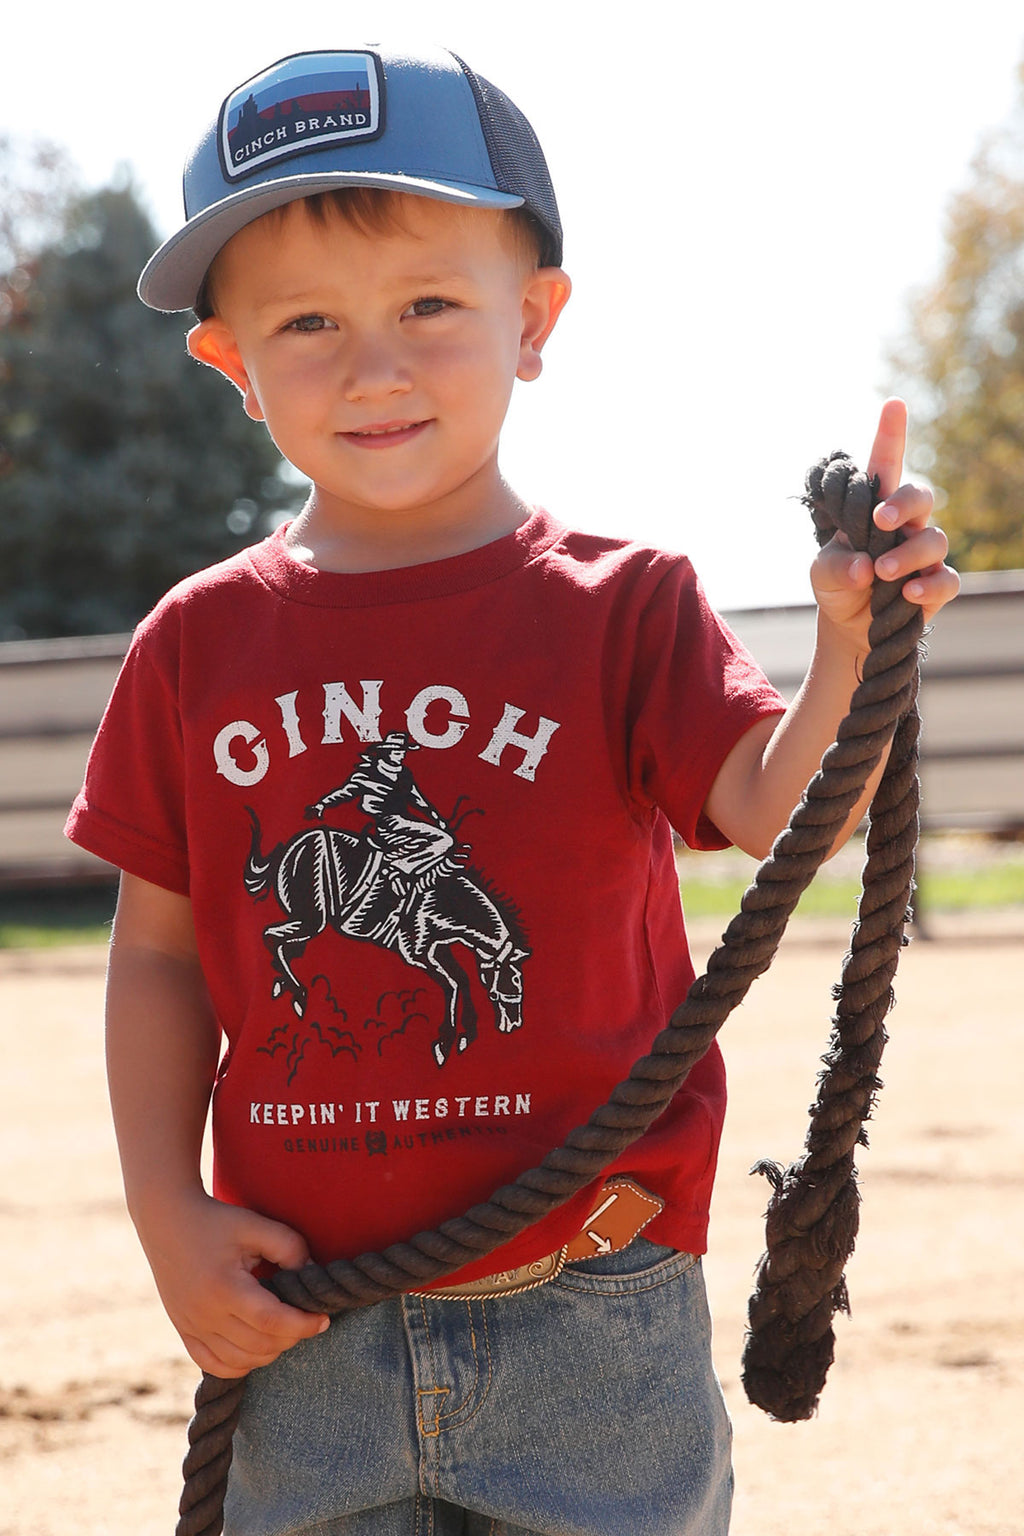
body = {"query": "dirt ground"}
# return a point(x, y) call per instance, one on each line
point(920, 1427)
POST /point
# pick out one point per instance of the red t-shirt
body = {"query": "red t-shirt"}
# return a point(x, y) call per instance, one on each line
point(423, 816)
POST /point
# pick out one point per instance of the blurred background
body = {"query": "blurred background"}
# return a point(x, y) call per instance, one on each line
point(775, 217)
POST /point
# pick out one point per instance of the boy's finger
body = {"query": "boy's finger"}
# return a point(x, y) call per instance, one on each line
point(238, 1344)
point(933, 589)
point(219, 1357)
point(886, 460)
point(276, 1327)
point(910, 506)
point(924, 550)
point(269, 1318)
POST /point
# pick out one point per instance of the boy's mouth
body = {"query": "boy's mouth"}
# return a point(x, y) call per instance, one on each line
point(384, 434)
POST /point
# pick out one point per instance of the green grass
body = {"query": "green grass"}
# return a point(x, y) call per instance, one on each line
point(941, 890)
point(721, 898)
point(985, 876)
point(950, 890)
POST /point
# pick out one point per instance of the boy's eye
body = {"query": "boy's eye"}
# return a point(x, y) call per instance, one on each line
point(308, 323)
point(422, 308)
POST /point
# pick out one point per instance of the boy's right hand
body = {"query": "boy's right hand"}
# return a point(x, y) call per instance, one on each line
point(202, 1254)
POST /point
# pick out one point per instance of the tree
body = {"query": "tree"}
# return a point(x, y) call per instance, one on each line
point(962, 363)
point(124, 465)
point(36, 181)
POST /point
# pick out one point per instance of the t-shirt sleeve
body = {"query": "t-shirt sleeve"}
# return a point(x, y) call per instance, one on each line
point(130, 810)
point(696, 691)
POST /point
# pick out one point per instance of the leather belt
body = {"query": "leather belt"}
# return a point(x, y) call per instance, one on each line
point(622, 1210)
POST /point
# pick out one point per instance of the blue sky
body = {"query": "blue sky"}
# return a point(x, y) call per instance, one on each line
point(742, 243)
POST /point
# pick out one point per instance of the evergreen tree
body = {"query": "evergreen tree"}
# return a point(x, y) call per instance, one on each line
point(962, 364)
point(124, 465)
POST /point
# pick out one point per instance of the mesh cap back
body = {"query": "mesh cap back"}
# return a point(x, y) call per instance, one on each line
point(517, 160)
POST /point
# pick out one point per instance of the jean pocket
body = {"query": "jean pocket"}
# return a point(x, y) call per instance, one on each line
point(640, 1266)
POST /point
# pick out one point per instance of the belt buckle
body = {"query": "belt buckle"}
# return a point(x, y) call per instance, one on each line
point(505, 1282)
point(624, 1209)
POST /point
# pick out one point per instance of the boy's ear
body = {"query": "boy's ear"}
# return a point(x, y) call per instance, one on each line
point(546, 294)
point(213, 342)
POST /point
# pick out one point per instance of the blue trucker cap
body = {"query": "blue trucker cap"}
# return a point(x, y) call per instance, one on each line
point(369, 117)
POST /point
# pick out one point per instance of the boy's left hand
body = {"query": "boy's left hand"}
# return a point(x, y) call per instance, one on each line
point(842, 579)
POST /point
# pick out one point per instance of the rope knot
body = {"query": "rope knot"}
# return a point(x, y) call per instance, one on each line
point(841, 499)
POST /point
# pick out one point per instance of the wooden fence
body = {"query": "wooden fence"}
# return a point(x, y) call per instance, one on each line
point(52, 693)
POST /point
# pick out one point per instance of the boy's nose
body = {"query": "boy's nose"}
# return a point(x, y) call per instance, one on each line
point(373, 369)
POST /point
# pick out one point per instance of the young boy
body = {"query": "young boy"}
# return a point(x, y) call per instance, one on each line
point(392, 794)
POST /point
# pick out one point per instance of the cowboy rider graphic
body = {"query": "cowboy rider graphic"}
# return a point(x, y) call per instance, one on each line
point(414, 838)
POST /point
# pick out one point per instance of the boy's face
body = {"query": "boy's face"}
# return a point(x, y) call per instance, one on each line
point(382, 363)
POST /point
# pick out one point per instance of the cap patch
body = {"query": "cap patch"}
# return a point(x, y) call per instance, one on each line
point(309, 101)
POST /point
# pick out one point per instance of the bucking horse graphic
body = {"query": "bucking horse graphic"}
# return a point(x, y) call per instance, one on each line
point(400, 883)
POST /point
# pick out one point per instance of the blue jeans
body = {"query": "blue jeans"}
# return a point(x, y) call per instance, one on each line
point(586, 1407)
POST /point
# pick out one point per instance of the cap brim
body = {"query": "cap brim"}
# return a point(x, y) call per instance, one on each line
point(172, 277)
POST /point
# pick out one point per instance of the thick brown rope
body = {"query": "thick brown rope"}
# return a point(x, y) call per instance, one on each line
point(813, 1215)
point(800, 1282)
